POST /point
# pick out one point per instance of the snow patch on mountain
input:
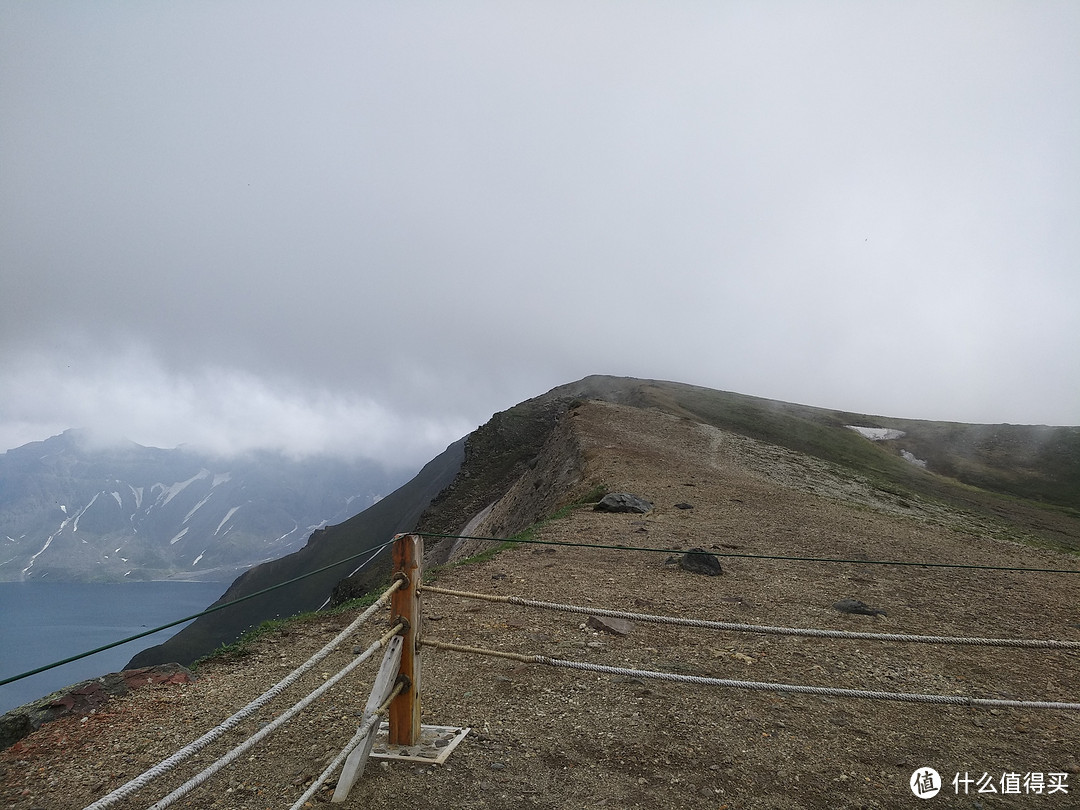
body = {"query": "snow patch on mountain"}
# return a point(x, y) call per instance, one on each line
point(910, 459)
point(197, 507)
point(48, 543)
point(225, 519)
point(170, 492)
point(75, 526)
point(877, 434)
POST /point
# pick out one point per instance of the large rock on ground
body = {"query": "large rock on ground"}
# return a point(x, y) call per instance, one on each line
point(699, 561)
point(623, 502)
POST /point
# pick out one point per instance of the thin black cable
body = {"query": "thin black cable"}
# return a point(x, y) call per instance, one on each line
point(753, 556)
point(213, 609)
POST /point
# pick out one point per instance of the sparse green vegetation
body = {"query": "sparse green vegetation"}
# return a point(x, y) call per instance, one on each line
point(526, 534)
point(242, 646)
point(1029, 475)
point(485, 556)
point(594, 495)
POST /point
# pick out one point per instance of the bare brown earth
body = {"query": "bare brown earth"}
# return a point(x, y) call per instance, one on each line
point(554, 738)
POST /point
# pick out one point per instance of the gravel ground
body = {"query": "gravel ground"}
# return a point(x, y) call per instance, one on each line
point(553, 738)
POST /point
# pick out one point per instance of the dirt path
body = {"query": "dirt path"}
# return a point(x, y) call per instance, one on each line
point(547, 738)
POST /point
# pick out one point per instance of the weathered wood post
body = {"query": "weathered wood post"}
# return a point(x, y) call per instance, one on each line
point(353, 768)
point(404, 715)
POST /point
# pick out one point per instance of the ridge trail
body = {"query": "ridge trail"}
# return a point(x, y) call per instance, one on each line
point(546, 738)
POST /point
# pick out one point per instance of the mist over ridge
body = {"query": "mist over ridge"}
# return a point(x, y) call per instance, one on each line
point(1027, 477)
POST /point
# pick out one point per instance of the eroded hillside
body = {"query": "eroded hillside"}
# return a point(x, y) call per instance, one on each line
point(554, 738)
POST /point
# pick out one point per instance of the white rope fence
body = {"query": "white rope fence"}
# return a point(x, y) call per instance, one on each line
point(263, 733)
point(370, 724)
point(220, 730)
point(361, 734)
point(762, 629)
point(955, 700)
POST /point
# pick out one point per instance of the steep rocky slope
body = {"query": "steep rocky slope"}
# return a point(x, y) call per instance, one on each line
point(554, 738)
point(473, 471)
point(1041, 463)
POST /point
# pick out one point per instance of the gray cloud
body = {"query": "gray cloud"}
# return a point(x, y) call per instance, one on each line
point(275, 222)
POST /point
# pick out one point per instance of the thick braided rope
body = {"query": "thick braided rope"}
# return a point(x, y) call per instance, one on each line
point(218, 731)
point(361, 734)
point(227, 759)
point(763, 629)
point(829, 691)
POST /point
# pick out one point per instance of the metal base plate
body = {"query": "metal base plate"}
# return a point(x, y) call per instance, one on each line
point(433, 747)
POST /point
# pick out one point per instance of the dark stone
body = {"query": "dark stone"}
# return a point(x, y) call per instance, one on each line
point(13, 727)
point(699, 561)
point(855, 606)
point(684, 506)
point(623, 502)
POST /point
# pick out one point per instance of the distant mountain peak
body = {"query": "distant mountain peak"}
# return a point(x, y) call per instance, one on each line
point(75, 508)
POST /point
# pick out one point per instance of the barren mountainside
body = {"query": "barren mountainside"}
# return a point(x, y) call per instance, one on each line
point(759, 485)
point(1025, 478)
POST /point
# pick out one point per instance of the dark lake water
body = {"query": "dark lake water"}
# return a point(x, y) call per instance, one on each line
point(42, 622)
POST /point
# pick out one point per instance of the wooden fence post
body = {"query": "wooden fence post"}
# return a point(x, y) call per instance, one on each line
point(404, 715)
point(353, 768)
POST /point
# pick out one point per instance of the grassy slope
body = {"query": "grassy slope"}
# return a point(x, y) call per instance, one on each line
point(1026, 475)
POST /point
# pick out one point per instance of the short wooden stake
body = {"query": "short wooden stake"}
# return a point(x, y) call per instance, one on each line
point(404, 715)
point(380, 691)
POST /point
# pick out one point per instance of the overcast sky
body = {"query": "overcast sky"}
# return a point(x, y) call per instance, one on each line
point(365, 227)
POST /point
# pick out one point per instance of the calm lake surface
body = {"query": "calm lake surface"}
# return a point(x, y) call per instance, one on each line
point(42, 622)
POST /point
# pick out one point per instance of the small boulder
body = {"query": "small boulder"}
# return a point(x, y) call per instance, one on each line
point(855, 606)
point(616, 627)
point(623, 502)
point(699, 561)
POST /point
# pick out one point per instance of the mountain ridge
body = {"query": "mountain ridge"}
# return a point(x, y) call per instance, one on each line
point(546, 738)
point(499, 461)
